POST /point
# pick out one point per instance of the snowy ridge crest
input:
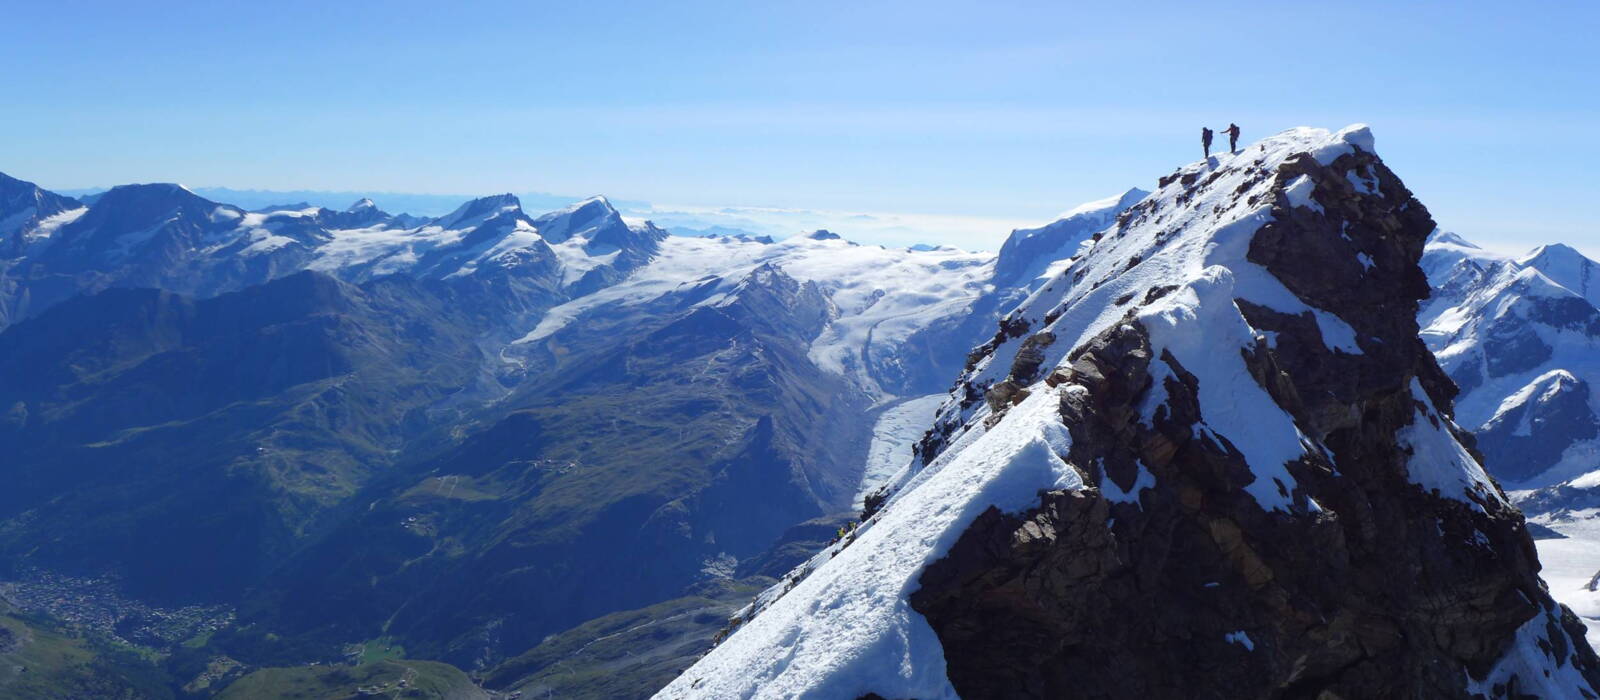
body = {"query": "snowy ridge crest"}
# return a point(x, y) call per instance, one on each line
point(1204, 285)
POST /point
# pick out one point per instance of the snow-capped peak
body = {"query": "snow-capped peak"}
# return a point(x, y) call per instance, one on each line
point(362, 205)
point(593, 206)
point(1553, 253)
point(480, 210)
point(1567, 267)
point(581, 219)
point(1443, 237)
point(31, 210)
point(150, 189)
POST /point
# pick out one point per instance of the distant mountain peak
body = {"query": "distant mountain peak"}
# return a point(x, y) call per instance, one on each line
point(1554, 252)
point(294, 206)
point(480, 210)
point(29, 213)
point(361, 205)
point(1567, 267)
point(150, 191)
point(596, 205)
point(582, 218)
point(1443, 237)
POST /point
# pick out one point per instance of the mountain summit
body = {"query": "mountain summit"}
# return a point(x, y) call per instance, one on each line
point(1208, 456)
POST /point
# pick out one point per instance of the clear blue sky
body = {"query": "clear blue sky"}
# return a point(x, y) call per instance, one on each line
point(1004, 111)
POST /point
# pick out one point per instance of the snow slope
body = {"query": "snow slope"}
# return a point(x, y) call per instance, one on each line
point(847, 628)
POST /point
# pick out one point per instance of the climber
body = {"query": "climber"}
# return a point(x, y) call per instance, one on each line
point(1233, 137)
point(1205, 140)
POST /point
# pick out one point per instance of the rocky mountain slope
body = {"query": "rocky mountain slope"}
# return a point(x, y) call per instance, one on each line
point(188, 445)
point(1212, 456)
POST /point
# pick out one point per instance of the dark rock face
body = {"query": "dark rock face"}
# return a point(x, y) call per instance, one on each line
point(1367, 587)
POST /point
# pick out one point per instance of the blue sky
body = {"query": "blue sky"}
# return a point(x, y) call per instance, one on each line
point(964, 117)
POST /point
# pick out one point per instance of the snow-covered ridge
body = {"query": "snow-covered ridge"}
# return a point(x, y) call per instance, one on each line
point(1176, 265)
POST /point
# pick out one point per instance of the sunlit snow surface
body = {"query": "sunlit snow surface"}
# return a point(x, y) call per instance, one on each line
point(846, 628)
point(46, 227)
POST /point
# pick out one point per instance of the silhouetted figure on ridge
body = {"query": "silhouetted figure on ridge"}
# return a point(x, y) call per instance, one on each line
point(1233, 137)
point(1205, 140)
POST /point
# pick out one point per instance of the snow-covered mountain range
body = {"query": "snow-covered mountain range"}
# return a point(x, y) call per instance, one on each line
point(1521, 338)
point(165, 236)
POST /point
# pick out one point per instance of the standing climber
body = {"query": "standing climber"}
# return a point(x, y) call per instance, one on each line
point(1205, 140)
point(1233, 137)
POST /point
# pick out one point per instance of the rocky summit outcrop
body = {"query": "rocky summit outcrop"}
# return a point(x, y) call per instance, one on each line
point(1210, 459)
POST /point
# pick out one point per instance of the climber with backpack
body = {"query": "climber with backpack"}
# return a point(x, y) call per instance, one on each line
point(1205, 140)
point(1233, 137)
